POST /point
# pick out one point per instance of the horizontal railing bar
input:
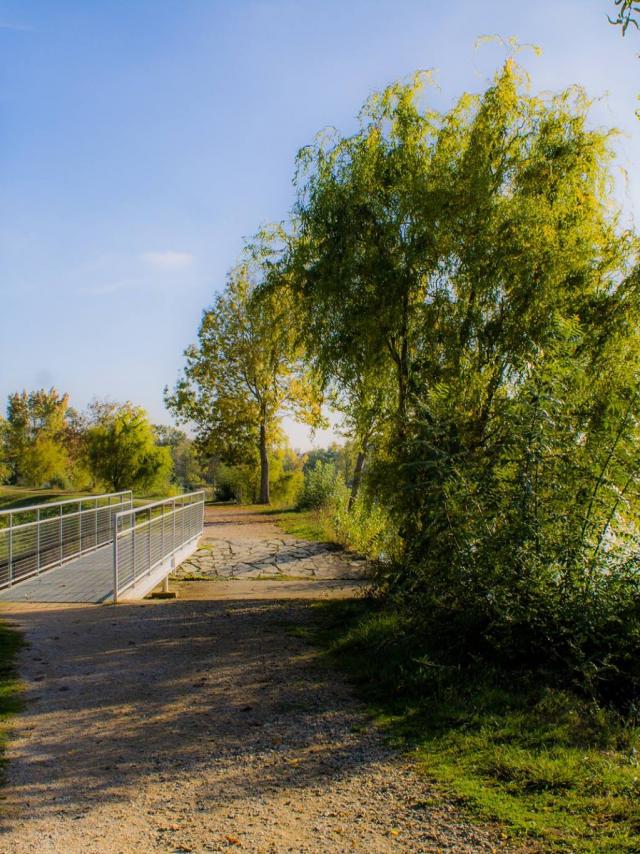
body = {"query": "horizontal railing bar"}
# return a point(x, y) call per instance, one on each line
point(94, 510)
point(144, 507)
point(45, 505)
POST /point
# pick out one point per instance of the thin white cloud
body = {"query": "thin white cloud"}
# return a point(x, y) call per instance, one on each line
point(18, 28)
point(168, 260)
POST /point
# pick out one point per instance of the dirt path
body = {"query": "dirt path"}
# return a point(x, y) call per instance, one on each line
point(201, 725)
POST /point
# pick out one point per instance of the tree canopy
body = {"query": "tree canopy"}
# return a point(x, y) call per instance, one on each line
point(33, 437)
point(122, 451)
point(247, 368)
point(476, 257)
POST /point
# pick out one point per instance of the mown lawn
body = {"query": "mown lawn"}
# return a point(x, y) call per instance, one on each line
point(21, 496)
point(547, 765)
point(15, 497)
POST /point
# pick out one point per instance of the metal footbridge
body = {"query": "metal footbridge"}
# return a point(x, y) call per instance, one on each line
point(95, 549)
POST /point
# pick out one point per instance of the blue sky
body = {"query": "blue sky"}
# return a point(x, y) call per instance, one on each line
point(142, 140)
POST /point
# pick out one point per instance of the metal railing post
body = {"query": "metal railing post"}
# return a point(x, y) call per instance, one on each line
point(38, 541)
point(162, 535)
point(10, 549)
point(115, 561)
point(149, 543)
point(61, 537)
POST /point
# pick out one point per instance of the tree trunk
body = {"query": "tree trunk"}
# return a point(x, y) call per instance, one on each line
point(357, 477)
point(264, 467)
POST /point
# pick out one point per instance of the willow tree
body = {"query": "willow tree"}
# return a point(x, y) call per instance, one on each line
point(479, 254)
point(627, 14)
point(364, 245)
point(247, 369)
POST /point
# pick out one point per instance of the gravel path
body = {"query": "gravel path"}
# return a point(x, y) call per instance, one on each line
point(201, 725)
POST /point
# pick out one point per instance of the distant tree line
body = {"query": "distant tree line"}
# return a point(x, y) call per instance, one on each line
point(44, 442)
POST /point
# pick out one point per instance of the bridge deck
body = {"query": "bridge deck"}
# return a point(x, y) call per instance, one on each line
point(88, 578)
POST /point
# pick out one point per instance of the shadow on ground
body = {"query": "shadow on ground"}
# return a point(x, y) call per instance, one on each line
point(117, 696)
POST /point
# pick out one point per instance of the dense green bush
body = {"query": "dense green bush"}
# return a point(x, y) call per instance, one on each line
point(321, 484)
point(287, 488)
point(365, 528)
point(236, 483)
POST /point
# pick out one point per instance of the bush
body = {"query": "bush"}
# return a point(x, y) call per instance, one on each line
point(236, 483)
point(366, 529)
point(287, 488)
point(321, 486)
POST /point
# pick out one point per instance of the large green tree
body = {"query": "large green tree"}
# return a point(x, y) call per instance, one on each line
point(34, 438)
point(121, 449)
point(5, 467)
point(479, 255)
point(247, 368)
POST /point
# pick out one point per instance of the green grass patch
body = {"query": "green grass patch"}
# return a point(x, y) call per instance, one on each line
point(304, 524)
point(10, 687)
point(544, 763)
point(14, 497)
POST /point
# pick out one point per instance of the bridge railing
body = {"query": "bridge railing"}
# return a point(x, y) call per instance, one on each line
point(154, 535)
point(40, 537)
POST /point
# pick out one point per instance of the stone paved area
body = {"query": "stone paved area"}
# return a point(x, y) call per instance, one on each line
point(242, 546)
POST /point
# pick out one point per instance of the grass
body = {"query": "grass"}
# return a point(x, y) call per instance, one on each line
point(548, 766)
point(10, 700)
point(305, 524)
point(13, 497)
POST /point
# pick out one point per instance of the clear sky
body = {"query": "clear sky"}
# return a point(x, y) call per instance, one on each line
point(141, 140)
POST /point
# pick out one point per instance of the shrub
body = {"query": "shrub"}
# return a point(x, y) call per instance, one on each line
point(321, 484)
point(236, 483)
point(287, 488)
point(366, 529)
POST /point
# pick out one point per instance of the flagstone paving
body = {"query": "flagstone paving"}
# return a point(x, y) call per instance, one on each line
point(244, 546)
